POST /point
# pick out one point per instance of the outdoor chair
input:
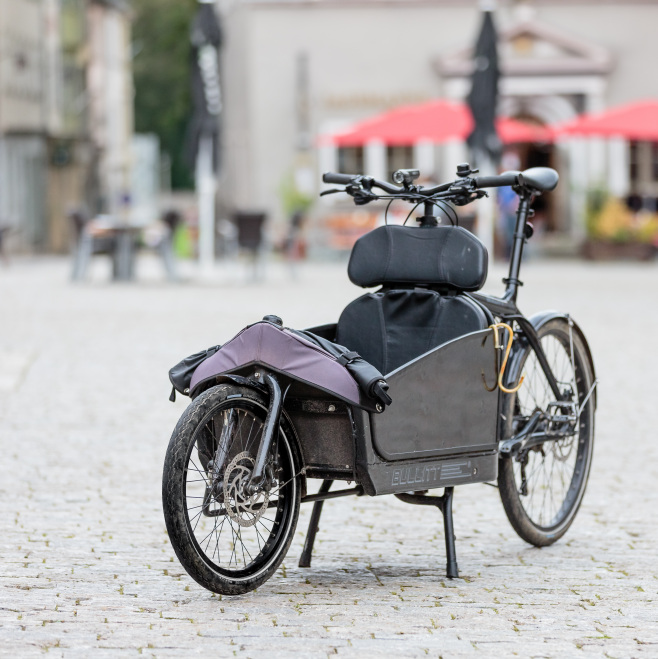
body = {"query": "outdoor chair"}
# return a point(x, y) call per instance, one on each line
point(86, 245)
point(171, 220)
point(4, 230)
point(250, 236)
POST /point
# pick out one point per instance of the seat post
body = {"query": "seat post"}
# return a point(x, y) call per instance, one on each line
point(512, 281)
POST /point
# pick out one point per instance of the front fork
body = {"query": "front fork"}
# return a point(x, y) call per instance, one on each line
point(261, 473)
point(270, 432)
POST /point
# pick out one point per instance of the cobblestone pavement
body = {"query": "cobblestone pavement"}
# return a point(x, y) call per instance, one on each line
point(86, 568)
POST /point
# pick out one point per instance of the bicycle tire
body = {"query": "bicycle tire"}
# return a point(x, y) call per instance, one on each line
point(189, 516)
point(543, 525)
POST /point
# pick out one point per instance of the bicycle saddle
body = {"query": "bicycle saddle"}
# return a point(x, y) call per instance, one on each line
point(539, 178)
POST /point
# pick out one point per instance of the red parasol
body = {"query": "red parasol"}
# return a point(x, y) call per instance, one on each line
point(634, 121)
point(435, 121)
point(513, 131)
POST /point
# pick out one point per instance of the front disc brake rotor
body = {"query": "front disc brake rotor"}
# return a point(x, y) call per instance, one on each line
point(244, 509)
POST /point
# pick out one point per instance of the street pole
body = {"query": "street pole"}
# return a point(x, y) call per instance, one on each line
point(206, 188)
point(482, 100)
point(206, 40)
point(486, 207)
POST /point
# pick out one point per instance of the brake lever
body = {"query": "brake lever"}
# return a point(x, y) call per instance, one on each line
point(360, 194)
point(332, 191)
point(362, 197)
point(469, 197)
point(465, 192)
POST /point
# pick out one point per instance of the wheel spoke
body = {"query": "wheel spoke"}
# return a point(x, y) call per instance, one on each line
point(235, 532)
point(553, 478)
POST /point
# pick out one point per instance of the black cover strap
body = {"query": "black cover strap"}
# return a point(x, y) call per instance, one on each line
point(369, 379)
point(348, 357)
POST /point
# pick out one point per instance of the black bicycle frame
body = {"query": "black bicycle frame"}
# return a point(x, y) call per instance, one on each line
point(505, 307)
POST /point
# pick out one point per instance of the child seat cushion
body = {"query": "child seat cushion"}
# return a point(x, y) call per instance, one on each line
point(446, 256)
point(390, 328)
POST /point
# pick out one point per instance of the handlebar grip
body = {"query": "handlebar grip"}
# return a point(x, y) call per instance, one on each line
point(339, 179)
point(506, 178)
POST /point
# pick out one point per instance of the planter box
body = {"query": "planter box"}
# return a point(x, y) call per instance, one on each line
point(603, 250)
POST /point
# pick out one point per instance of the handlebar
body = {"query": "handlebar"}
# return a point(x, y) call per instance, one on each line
point(460, 192)
point(369, 182)
point(365, 181)
point(506, 178)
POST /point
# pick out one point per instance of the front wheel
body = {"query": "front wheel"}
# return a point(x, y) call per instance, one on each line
point(543, 487)
point(228, 540)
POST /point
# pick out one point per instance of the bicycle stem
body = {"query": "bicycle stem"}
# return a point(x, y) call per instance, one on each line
point(428, 219)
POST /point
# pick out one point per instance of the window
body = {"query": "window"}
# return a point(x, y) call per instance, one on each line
point(654, 161)
point(399, 157)
point(634, 162)
point(350, 160)
point(643, 168)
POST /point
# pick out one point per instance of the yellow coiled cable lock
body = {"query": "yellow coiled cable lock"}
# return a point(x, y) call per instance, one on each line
point(508, 348)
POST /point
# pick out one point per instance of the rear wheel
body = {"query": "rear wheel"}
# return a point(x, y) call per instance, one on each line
point(543, 487)
point(228, 541)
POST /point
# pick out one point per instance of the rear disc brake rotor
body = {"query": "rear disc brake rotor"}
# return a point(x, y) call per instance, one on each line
point(562, 448)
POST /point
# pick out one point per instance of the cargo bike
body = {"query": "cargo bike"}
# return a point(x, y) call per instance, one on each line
point(421, 384)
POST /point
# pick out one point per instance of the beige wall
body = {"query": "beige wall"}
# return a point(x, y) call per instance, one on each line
point(628, 30)
point(359, 63)
point(365, 56)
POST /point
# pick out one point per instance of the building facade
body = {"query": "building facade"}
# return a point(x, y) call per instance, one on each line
point(23, 120)
point(295, 70)
point(110, 101)
point(65, 115)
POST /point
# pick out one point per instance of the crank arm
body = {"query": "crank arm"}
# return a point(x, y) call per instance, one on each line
point(513, 445)
point(539, 438)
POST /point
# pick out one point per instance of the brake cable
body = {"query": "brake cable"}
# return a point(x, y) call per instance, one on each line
point(362, 194)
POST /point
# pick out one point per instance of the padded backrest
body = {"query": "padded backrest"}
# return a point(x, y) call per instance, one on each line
point(391, 327)
point(443, 256)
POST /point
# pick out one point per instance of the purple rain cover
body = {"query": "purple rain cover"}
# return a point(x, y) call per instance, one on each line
point(271, 346)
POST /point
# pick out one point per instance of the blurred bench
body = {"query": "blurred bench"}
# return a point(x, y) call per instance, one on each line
point(120, 241)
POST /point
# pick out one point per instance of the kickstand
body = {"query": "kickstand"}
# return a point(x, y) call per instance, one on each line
point(305, 558)
point(444, 504)
point(452, 570)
